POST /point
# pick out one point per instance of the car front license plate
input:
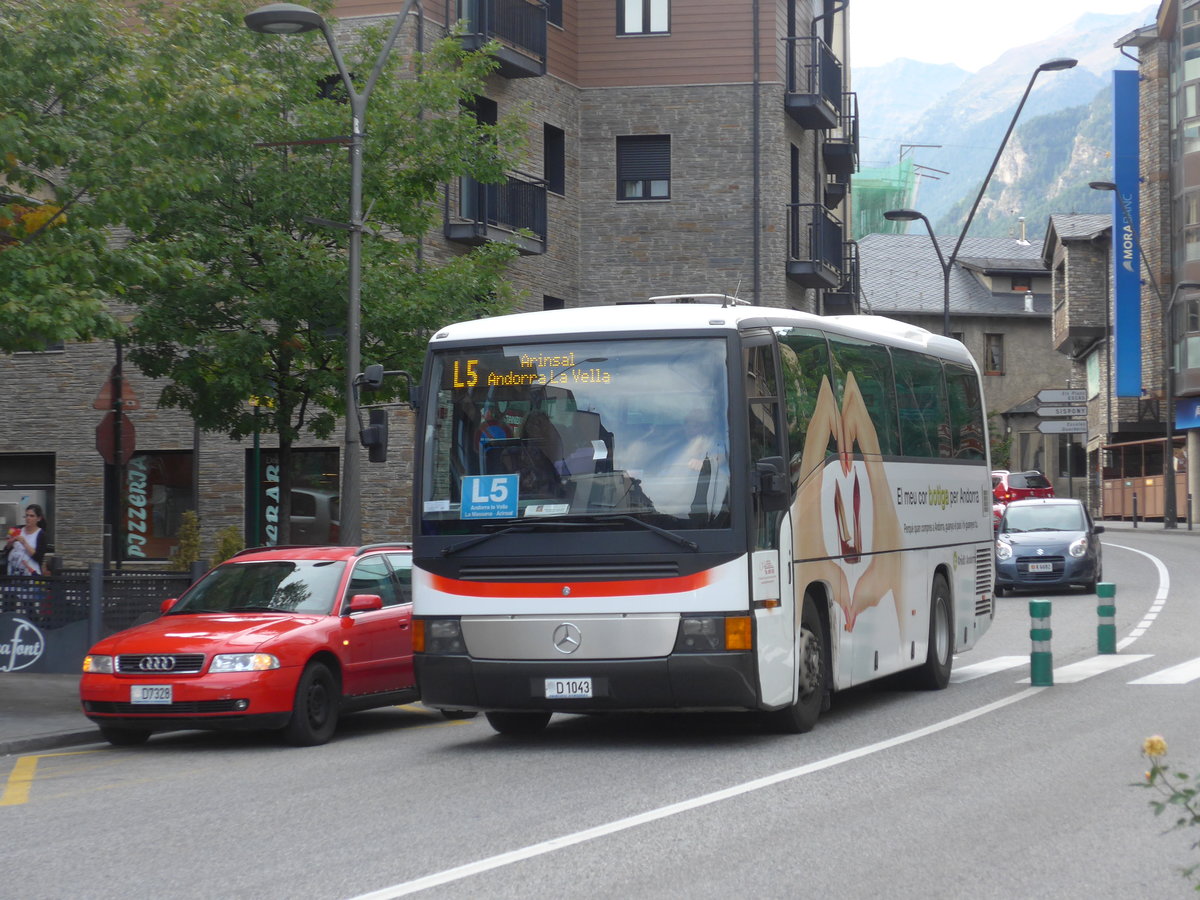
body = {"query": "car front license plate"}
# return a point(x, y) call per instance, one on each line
point(156, 694)
point(1041, 567)
point(558, 688)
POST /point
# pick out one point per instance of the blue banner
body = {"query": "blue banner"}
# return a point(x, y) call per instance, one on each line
point(1127, 262)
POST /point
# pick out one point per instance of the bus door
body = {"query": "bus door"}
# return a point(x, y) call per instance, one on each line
point(770, 531)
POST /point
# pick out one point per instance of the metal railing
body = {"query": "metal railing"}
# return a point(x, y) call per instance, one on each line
point(517, 23)
point(815, 236)
point(518, 203)
point(813, 68)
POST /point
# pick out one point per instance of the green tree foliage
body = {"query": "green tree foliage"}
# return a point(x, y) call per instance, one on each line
point(209, 146)
point(60, 129)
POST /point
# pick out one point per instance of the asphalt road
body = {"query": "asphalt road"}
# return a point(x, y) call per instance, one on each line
point(990, 789)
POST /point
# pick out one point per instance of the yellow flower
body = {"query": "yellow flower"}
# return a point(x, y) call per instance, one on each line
point(1154, 746)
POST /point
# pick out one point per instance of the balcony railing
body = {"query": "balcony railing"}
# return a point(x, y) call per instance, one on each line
point(814, 89)
point(500, 212)
point(518, 25)
point(844, 300)
point(840, 150)
point(815, 246)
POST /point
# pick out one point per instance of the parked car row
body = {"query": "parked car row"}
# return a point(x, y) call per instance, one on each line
point(283, 638)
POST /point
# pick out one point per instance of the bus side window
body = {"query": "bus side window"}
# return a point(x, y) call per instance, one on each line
point(805, 358)
point(871, 365)
point(966, 412)
point(921, 403)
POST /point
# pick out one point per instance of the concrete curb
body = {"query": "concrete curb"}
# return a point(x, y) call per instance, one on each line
point(49, 741)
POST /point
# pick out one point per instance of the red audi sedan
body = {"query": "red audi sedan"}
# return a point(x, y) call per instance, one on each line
point(281, 638)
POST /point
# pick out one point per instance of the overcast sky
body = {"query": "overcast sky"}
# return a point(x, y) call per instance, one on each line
point(969, 33)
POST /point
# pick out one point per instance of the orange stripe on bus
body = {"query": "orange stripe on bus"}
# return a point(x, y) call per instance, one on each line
point(677, 585)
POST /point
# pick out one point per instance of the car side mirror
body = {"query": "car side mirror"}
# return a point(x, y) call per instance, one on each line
point(365, 602)
point(1097, 529)
point(165, 606)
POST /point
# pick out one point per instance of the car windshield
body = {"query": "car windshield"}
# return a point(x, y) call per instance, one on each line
point(1028, 480)
point(623, 429)
point(1057, 517)
point(285, 586)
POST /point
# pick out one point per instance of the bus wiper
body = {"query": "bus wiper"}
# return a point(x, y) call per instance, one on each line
point(669, 535)
point(480, 538)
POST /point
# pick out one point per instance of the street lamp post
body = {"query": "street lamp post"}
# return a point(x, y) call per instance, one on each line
point(291, 18)
point(911, 215)
point(1052, 65)
point(1170, 507)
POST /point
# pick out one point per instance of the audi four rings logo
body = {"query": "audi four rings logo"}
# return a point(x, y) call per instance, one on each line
point(157, 663)
point(567, 638)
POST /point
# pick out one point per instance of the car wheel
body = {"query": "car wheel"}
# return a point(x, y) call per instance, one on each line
point(1001, 590)
point(801, 716)
point(315, 711)
point(124, 737)
point(934, 673)
point(518, 723)
point(453, 714)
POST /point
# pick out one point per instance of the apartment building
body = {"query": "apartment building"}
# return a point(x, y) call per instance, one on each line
point(672, 148)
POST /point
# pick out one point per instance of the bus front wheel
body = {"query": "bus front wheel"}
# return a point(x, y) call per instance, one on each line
point(934, 673)
point(518, 723)
point(801, 716)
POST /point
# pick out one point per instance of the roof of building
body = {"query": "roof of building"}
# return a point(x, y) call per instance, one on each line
point(901, 274)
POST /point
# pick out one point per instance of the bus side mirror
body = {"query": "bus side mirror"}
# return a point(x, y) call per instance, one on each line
point(772, 487)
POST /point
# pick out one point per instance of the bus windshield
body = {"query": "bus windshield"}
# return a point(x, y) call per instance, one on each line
point(578, 428)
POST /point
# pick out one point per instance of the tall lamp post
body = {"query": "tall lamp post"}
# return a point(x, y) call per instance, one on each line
point(911, 215)
point(291, 18)
point(1052, 65)
point(1170, 507)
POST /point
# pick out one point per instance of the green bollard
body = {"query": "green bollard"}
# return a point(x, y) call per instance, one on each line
point(1041, 662)
point(1106, 609)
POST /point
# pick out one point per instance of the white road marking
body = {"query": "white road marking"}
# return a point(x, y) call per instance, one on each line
point(1096, 665)
point(1184, 673)
point(590, 834)
point(1160, 597)
point(987, 667)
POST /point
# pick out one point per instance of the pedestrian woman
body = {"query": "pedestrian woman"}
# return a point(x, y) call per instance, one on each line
point(27, 546)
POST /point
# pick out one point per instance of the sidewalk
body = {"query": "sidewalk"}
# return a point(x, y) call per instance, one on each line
point(41, 712)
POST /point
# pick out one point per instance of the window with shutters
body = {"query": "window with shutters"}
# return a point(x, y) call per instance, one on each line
point(644, 167)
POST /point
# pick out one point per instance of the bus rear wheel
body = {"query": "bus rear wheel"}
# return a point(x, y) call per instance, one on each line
point(801, 716)
point(518, 723)
point(934, 673)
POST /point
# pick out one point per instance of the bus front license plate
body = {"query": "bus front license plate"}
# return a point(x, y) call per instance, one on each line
point(558, 688)
point(1041, 567)
point(150, 693)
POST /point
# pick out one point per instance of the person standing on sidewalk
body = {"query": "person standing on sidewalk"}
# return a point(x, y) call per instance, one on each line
point(27, 547)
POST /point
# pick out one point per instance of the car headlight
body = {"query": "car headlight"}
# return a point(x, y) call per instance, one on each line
point(97, 665)
point(243, 662)
point(1003, 550)
point(1079, 547)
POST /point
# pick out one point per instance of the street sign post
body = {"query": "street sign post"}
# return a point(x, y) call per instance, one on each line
point(1063, 426)
point(1046, 411)
point(1073, 395)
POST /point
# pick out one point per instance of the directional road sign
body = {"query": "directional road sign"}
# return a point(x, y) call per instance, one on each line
point(1064, 426)
point(1062, 396)
point(1045, 411)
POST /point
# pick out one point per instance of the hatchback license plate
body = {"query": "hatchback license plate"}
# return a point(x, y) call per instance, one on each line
point(1041, 567)
point(156, 694)
point(558, 688)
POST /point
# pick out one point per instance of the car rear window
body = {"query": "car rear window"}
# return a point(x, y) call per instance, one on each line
point(1028, 480)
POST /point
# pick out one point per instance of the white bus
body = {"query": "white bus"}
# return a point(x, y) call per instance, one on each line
point(694, 504)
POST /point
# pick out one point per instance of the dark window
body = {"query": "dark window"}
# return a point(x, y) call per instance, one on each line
point(871, 366)
point(373, 576)
point(966, 411)
point(1022, 283)
point(157, 489)
point(644, 167)
point(921, 402)
point(554, 162)
point(549, 302)
point(554, 11)
point(993, 354)
point(643, 16)
point(805, 358)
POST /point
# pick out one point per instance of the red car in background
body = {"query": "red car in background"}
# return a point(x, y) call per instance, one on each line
point(1009, 486)
point(281, 638)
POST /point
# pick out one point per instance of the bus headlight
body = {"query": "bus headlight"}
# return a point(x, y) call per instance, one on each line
point(443, 636)
point(709, 634)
